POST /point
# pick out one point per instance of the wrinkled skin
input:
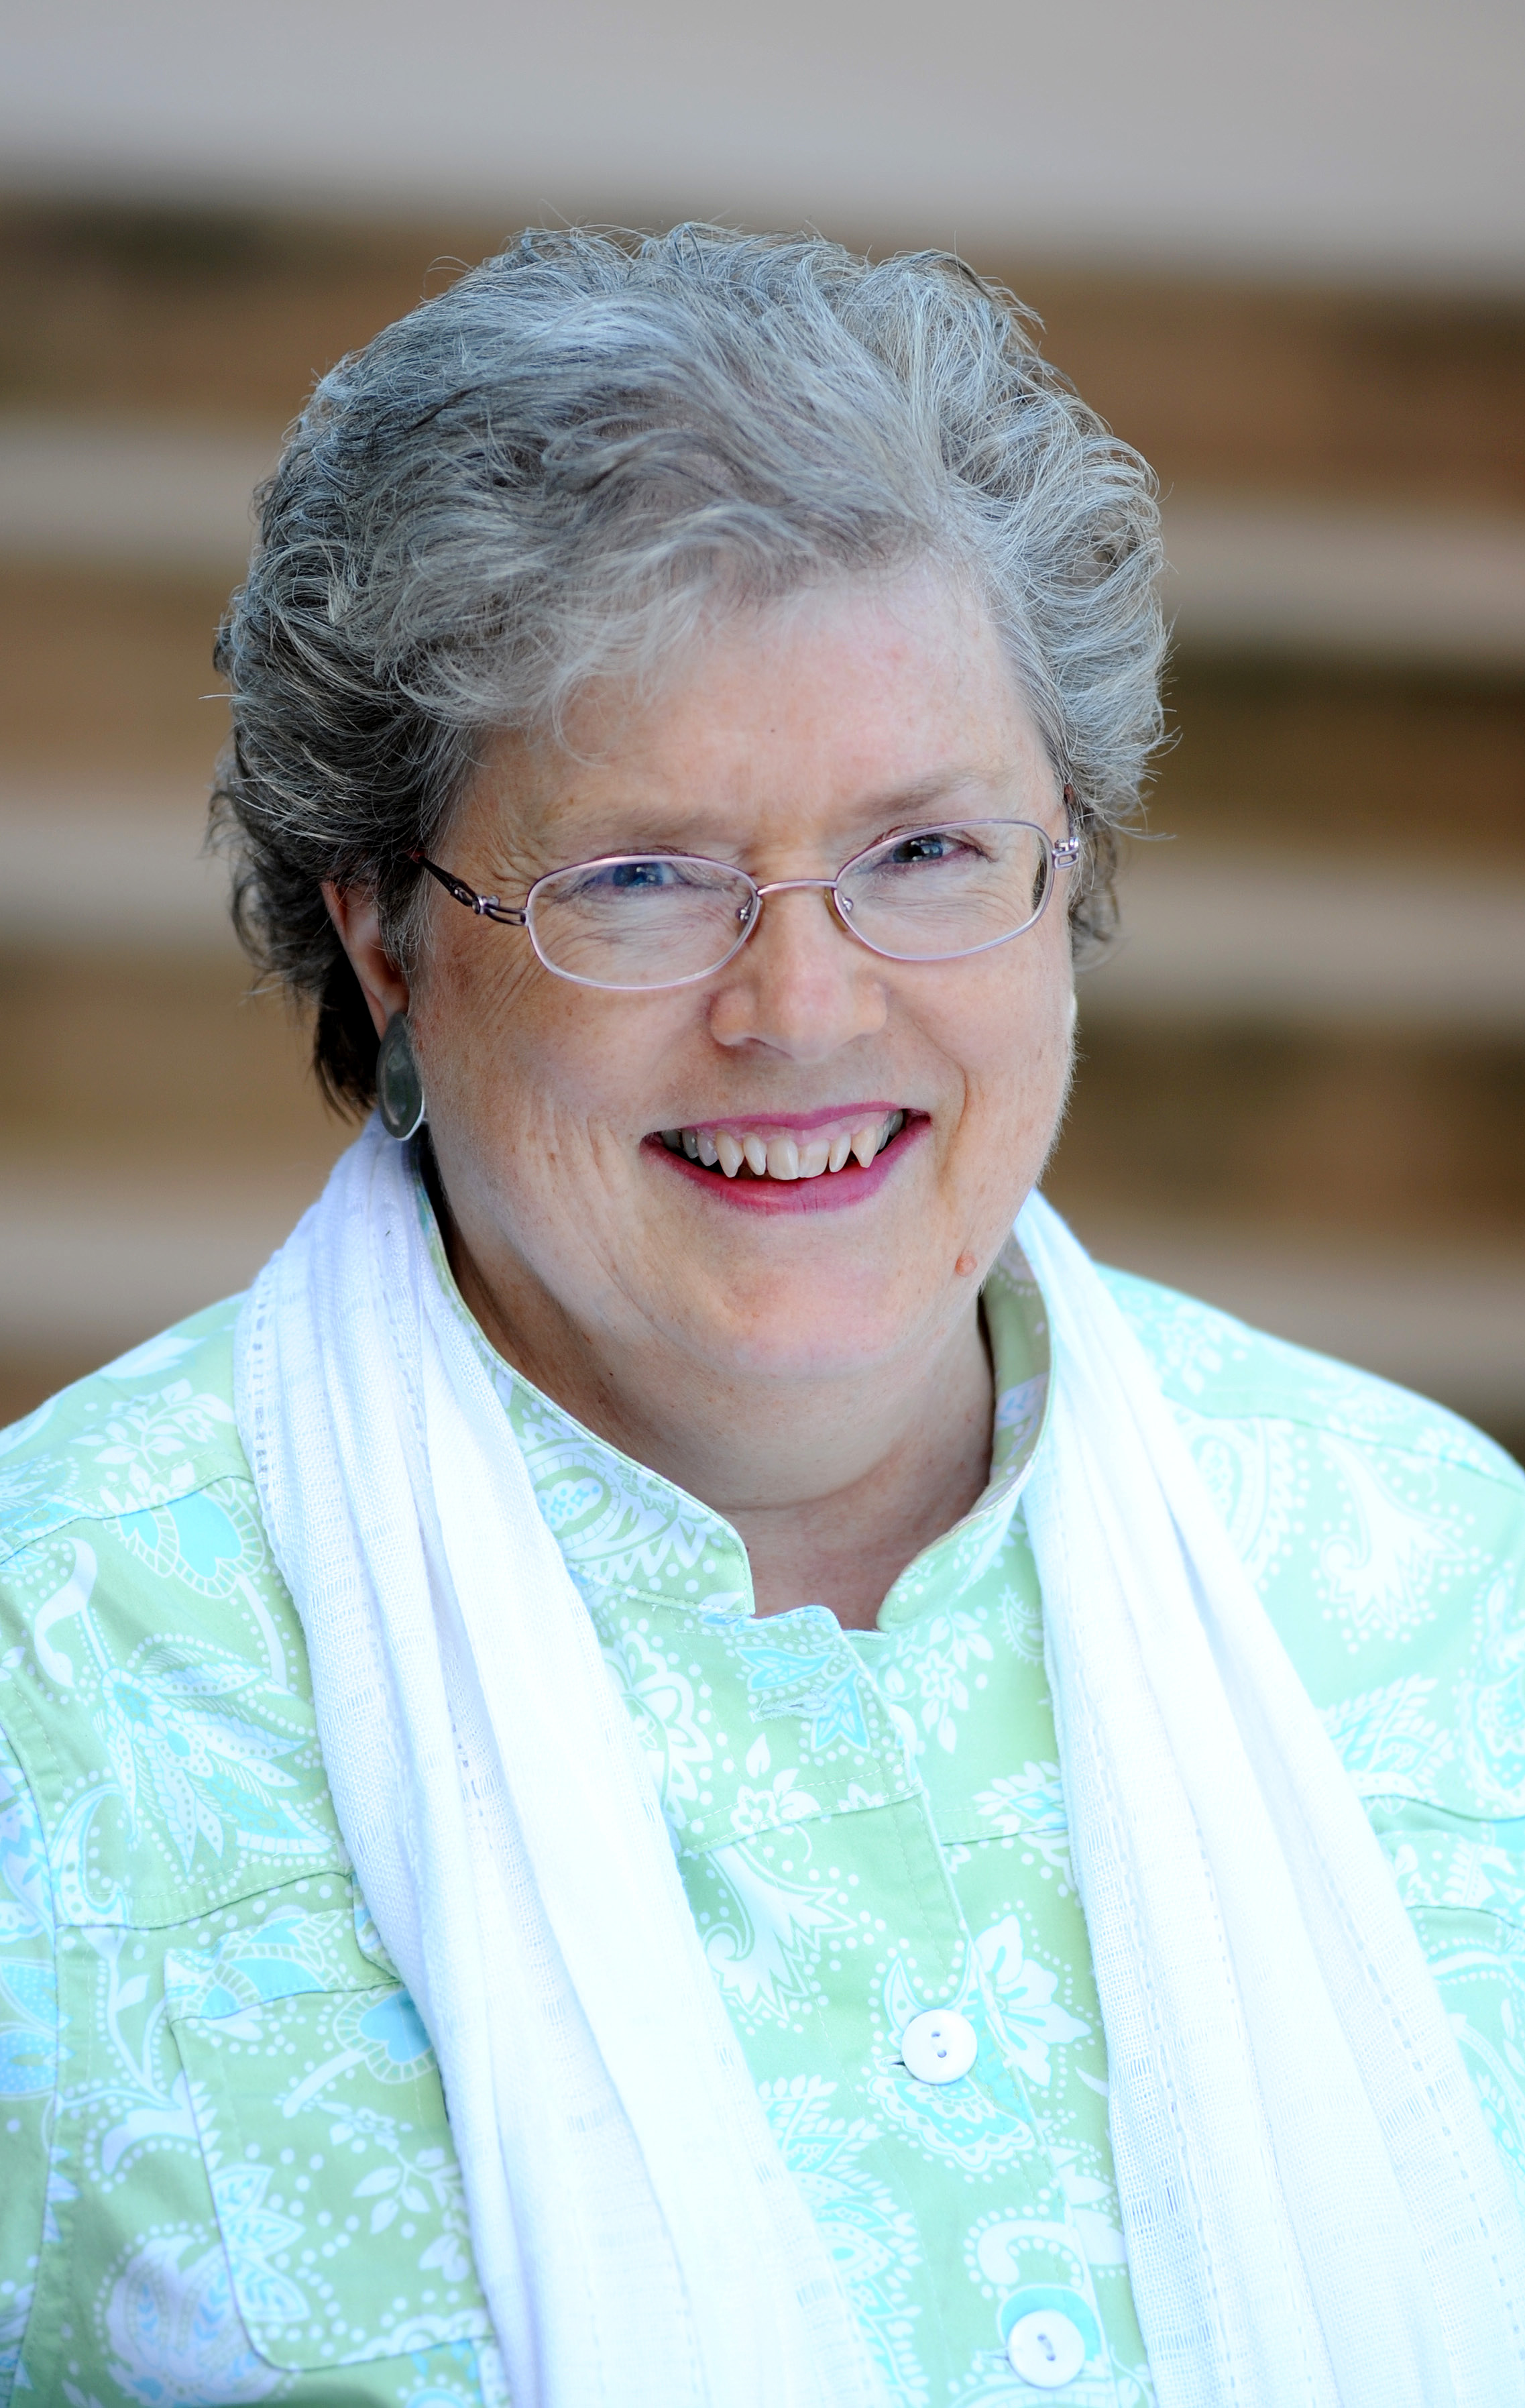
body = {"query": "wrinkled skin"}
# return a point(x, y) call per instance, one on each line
point(819, 1377)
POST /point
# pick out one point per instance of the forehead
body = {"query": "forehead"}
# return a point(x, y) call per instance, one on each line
point(817, 715)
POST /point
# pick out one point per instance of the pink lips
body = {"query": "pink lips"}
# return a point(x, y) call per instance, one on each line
point(832, 1193)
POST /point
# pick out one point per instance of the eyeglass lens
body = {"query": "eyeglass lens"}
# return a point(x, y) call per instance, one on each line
point(644, 920)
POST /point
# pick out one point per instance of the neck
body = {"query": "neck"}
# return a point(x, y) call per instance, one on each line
point(844, 1547)
point(834, 1484)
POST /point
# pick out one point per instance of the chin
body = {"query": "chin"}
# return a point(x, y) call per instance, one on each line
point(809, 1327)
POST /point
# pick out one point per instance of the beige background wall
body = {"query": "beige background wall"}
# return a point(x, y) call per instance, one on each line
point(1377, 136)
point(1286, 267)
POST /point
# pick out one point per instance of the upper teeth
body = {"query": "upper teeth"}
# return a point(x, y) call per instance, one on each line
point(786, 1153)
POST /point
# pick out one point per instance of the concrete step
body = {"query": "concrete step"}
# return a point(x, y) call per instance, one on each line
point(1299, 941)
point(1377, 583)
point(92, 1264)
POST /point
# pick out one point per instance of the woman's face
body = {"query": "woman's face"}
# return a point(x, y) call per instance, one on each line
point(796, 737)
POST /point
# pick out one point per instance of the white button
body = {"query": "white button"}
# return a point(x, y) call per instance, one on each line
point(939, 2046)
point(1046, 2349)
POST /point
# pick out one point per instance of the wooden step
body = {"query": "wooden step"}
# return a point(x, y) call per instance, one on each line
point(1284, 935)
point(1369, 580)
point(1406, 1134)
point(105, 678)
point(1374, 763)
point(1303, 1090)
point(207, 315)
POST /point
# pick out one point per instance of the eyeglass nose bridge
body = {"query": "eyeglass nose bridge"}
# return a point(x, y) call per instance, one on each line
point(830, 886)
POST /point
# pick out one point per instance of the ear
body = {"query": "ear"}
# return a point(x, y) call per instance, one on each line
point(353, 913)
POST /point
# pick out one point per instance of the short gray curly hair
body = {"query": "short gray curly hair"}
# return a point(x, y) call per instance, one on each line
point(567, 464)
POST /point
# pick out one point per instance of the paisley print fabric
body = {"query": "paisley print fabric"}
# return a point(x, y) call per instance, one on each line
point(229, 2168)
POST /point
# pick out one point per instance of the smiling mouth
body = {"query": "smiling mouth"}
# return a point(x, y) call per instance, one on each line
point(735, 1149)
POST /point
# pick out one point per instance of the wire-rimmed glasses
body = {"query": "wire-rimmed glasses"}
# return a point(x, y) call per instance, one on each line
point(632, 921)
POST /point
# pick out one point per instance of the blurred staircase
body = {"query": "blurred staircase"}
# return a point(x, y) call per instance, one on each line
point(1303, 1091)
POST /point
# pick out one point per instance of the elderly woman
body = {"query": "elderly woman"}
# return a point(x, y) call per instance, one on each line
point(675, 1768)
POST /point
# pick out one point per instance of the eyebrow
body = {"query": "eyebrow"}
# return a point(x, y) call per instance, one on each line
point(657, 829)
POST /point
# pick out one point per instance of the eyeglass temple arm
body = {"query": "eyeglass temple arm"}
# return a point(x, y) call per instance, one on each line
point(486, 907)
point(1068, 853)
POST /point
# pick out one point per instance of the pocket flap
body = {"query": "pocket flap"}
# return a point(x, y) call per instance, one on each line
point(322, 2121)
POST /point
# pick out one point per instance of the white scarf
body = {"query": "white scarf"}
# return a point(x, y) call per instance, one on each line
point(638, 2240)
point(1313, 2210)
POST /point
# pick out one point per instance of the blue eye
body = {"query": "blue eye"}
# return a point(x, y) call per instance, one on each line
point(610, 880)
point(929, 849)
point(628, 874)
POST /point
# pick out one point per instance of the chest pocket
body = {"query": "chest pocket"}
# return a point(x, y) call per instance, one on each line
point(322, 2126)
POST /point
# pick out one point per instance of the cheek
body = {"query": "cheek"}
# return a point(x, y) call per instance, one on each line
point(518, 1064)
point(1015, 1057)
point(1016, 1042)
point(473, 1011)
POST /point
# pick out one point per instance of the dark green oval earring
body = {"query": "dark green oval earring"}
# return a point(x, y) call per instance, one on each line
point(399, 1084)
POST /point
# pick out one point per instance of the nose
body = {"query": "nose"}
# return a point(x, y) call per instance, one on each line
point(801, 986)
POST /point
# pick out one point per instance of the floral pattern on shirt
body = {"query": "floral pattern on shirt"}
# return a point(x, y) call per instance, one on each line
point(231, 2172)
